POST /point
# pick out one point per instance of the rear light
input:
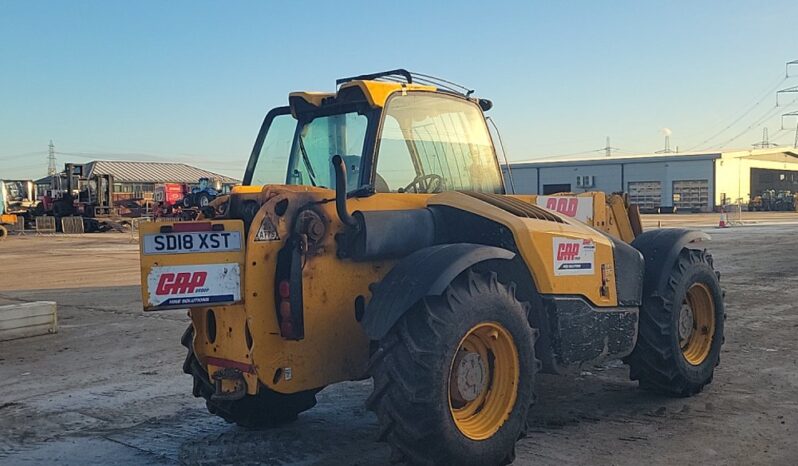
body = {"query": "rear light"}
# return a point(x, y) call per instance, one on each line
point(285, 289)
point(289, 308)
point(287, 329)
point(286, 319)
point(285, 310)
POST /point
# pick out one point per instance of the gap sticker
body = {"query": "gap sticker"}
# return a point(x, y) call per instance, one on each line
point(580, 208)
point(574, 256)
point(191, 285)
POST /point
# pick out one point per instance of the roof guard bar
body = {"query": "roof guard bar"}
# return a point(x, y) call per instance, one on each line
point(400, 74)
point(366, 77)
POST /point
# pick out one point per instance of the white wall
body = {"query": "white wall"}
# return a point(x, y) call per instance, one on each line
point(733, 173)
point(668, 172)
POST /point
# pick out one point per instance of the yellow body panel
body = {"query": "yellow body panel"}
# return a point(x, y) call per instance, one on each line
point(377, 92)
point(240, 189)
point(610, 215)
point(334, 347)
point(535, 241)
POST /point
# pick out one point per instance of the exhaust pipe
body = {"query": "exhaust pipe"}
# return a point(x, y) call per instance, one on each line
point(340, 193)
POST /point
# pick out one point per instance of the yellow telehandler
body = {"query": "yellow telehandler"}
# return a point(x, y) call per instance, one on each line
point(372, 237)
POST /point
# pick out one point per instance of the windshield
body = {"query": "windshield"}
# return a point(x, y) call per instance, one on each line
point(301, 153)
point(432, 143)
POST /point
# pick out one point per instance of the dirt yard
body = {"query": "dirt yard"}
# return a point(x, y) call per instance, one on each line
point(108, 388)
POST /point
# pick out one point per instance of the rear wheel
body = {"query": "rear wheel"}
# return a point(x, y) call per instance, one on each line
point(3, 232)
point(681, 332)
point(453, 380)
point(267, 408)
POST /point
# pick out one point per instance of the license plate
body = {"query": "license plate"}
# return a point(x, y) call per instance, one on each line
point(190, 242)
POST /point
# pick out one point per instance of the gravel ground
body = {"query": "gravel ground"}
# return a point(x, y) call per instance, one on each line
point(108, 387)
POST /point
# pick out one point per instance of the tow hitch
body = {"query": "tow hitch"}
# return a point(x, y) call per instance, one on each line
point(230, 385)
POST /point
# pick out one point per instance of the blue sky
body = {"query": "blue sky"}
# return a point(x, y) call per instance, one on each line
point(191, 81)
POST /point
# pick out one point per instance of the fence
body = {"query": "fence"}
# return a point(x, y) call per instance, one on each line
point(72, 225)
point(45, 225)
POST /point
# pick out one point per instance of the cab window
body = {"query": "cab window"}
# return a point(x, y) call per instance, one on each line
point(434, 143)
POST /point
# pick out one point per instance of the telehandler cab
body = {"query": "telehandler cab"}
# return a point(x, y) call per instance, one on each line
point(372, 237)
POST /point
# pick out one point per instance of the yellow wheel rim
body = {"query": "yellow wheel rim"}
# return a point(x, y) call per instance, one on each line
point(696, 324)
point(483, 380)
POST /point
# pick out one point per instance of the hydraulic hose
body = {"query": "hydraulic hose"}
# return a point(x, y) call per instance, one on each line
point(340, 193)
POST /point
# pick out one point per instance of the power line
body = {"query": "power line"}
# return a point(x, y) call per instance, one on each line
point(769, 114)
point(24, 154)
point(744, 114)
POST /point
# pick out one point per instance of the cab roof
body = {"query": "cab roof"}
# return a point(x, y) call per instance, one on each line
point(374, 89)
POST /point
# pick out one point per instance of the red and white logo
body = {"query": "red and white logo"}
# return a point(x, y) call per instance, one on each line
point(580, 208)
point(192, 285)
point(567, 251)
point(574, 256)
point(181, 283)
point(564, 205)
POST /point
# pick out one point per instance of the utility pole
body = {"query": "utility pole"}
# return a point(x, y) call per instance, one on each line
point(765, 143)
point(608, 148)
point(784, 91)
point(791, 114)
point(51, 170)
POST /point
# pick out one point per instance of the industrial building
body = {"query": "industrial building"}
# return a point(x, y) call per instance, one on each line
point(697, 182)
point(137, 180)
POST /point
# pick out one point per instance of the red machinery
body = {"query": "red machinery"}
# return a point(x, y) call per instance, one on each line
point(167, 197)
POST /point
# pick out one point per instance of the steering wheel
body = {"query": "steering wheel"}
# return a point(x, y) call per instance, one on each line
point(431, 183)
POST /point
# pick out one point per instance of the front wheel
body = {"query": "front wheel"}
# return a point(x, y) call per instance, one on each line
point(681, 332)
point(453, 379)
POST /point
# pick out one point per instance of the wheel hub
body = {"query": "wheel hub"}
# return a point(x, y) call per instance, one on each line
point(686, 323)
point(471, 375)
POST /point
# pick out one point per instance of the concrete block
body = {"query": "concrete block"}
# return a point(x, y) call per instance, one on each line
point(27, 320)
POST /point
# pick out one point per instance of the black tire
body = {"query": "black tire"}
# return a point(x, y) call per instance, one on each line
point(187, 201)
point(411, 370)
point(3, 232)
point(202, 200)
point(658, 362)
point(266, 409)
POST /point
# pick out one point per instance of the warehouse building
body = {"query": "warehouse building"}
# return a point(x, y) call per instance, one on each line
point(697, 182)
point(137, 180)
